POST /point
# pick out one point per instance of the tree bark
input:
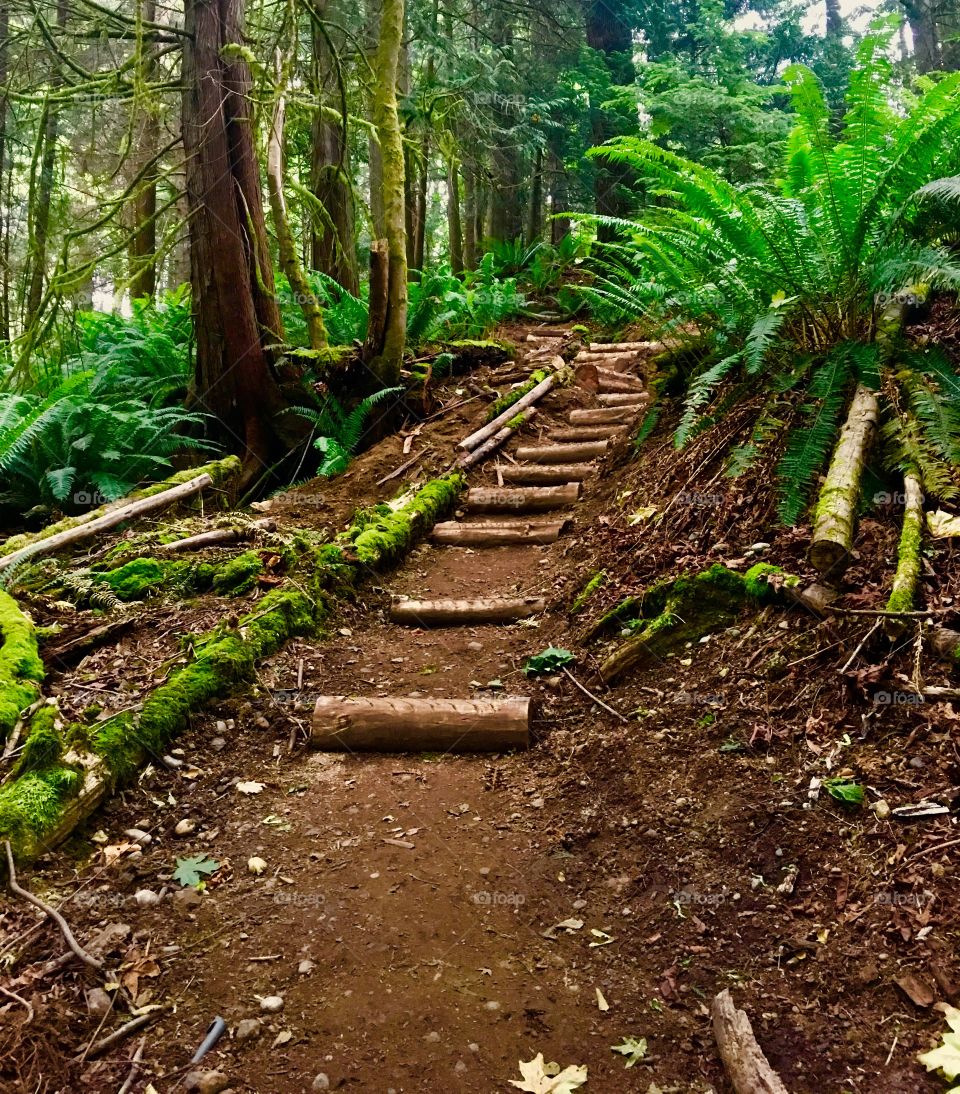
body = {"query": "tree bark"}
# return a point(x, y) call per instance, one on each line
point(836, 513)
point(746, 1066)
point(613, 415)
point(143, 208)
point(420, 725)
point(923, 28)
point(563, 453)
point(286, 245)
point(4, 204)
point(521, 499)
point(236, 315)
point(535, 208)
point(386, 361)
point(454, 222)
point(470, 216)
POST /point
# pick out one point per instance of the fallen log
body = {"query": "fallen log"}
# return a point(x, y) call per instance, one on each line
point(501, 534)
point(217, 537)
point(626, 398)
point(561, 453)
point(944, 643)
point(747, 1068)
point(341, 723)
point(492, 427)
point(615, 387)
point(535, 499)
point(905, 579)
point(622, 347)
point(608, 415)
point(587, 357)
point(578, 434)
point(545, 337)
point(123, 513)
point(499, 609)
point(615, 377)
point(89, 524)
point(21, 670)
point(547, 474)
point(836, 512)
point(479, 454)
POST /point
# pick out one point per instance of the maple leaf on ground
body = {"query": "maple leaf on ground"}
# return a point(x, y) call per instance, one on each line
point(189, 870)
point(537, 1081)
point(946, 1056)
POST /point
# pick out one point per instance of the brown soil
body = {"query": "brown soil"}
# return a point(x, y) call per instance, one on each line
point(685, 839)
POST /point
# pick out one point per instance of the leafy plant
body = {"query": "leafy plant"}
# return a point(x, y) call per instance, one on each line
point(339, 432)
point(190, 871)
point(549, 660)
point(634, 1048)
point(945, 1058)
point(845, 791)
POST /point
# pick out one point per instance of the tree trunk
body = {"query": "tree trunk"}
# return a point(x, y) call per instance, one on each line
point(836, 513)
point(333, 248)
point(286, 244)
point(834, 19)
point(454, 224)
point(143, 208)
point(388, 356)
point(4, 204)
point(236, 316)
point(923, 28)
point(470, 216)
point(535, 211)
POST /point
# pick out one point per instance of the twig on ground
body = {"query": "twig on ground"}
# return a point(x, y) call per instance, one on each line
point(134, 1068)
point(122, 1032)
point(79, 951)
point(589, 694)
point(863, 641)
point(403, 467)
point(19, 999)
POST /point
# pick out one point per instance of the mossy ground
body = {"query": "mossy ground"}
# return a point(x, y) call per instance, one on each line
point(21, 669)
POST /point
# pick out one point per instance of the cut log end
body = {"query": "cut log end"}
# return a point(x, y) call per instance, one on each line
point(341, 723)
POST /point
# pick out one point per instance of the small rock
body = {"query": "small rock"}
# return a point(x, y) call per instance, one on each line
point(881, 809)
point(139, 836)
point(272, 1004)
point(146, 898)
point(221, 727)
point(432, 1037)
point(98, 1002)
point(206, 1082)
point(473, 1046)
point(262, 723)
point(188, 897)
point(172, 762)
point(248, 1029)
point(218, 744)
point(761, 546)
point(321, 1082)
point(491, 1004)
point(474, 645)
point(306, 967)
point(459, 1067)
point(536, 803)
point(256, 865)
point(185, 826)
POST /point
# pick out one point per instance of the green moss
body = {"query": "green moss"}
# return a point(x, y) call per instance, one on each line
point(908, 563)
point(21, 669)
point(32, 804)
point(136, 579)
point(220, 471)
point(515, 394)
point(44, 745)
point(587, 591)
point(382, 535)
point(239, 575)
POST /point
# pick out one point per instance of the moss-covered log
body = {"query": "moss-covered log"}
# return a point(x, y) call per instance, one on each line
point(72, 529)
point(21, 670)
point(905, 579)
point(71, 771)
point(690, 606)
point(515, 395)
point(836, 511)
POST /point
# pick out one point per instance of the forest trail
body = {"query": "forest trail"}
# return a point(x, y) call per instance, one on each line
point(422, 922)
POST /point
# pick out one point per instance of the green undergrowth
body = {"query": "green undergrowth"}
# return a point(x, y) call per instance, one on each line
point(515, 394)
point(220, 471)
point(52, 767)
point(594, 583)
point(21, 669)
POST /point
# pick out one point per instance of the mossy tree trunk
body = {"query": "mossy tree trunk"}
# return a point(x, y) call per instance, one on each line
point(386, 358)
point(143, 208)
point(908, 553)
point(286, 244)
point(836, 512)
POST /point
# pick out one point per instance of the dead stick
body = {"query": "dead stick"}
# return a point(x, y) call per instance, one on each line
point(590, 695)
point(856, 653)
point(121, 1032)
point(134, 1068)
point(403, 467)
point(744, 1061)
point(19, 999)
point(79, 951)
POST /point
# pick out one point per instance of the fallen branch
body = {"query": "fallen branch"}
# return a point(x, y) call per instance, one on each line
point(121, 1033)
point(78, 950)
point(513, 410)
point(593, 698)
point(744, 1061)
point(134, 1067)
point(905, 579)
point(471, 459)
point(19, 999)
point(403, 467)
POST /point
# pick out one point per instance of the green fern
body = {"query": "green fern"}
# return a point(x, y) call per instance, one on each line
point(339, 432)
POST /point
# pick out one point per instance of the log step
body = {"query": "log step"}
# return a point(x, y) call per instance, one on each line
point(505, 533)
point(342, 723)
point(625, 347)
point(518, 499)
point(561, 453)
point(581, 433)
point(632, 398)
point(607, 415)
point(545, 474)
point(494, 609)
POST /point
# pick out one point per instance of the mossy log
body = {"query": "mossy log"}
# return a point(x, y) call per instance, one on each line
point(491, 444)
point(836, 511)
point(341, 723)
point(541, 389)
point(944, 643)
point(72, 530)
point(904, 589)
point(71, 771)
point(688, 607)
point(21, 670)
point(512, 397)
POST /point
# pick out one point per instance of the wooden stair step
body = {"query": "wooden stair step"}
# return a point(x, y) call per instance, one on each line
point(346, 723)
point(580, 433)
point(519, 499)
point(632, 398)
point(545, 474)
point(462, 613)
point(623, 347)
point(503, 533)
point(561, 453)
point(606, 415)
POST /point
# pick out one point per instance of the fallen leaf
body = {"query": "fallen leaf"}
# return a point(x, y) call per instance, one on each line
point(601, 1002)
point(563, 925)
point(916, 990)
point(249, 787)
point(537, 1081)
point(946, 1056)
point(634, 1048)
